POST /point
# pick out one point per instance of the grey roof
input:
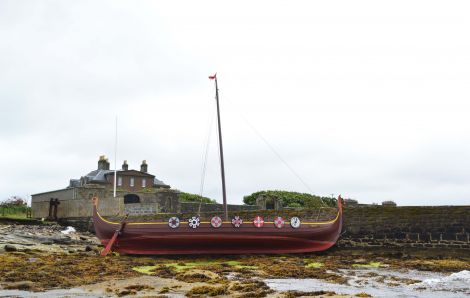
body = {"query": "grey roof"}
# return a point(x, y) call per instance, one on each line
point(98, 175)
point(159, 182)
point(74, 183)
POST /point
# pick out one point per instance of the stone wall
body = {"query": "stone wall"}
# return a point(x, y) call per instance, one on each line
point(141, 209)
point(70, 204)
point(76, 202)
point(168, 200)
point(193, 207)
point(410, 226)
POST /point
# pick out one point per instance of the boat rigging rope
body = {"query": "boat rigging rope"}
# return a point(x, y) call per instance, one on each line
point(204, 157)
point(272, 149)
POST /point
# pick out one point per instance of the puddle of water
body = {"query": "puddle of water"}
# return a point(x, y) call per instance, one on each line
point(72, 293)
point(76, 293)
point(459, 282)
point(385, 283)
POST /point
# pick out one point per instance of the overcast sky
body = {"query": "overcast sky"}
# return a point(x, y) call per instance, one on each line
point(368, 99)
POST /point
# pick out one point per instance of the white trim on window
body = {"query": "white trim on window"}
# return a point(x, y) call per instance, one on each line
point(119, 182)
point(131, 182)
point(144, 182)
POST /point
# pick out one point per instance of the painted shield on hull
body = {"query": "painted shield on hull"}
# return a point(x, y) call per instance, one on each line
point(295, 222)
point(216, 222)
point(258, 221)
point(174, 222)
point(194, 222)
point(237, 221)
point(278, 222)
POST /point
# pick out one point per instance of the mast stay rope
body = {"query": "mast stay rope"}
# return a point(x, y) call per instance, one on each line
point(273, 149)
point(205, 156)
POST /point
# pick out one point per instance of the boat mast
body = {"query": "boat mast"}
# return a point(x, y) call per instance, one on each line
point(115, 160)
point(222, 169)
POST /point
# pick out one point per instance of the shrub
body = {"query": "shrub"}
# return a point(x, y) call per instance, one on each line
point(189, 197)
point(291, 198)
point(13, 202)
point(13, 206)
point(389, 203)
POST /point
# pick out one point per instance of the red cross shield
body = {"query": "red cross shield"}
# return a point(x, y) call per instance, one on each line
point(216, 222)
point(258, 221)
point(278, 222)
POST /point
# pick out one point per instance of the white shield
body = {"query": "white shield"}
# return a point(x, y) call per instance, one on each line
point(174, 222)
point(295, 222)
point(194, 222)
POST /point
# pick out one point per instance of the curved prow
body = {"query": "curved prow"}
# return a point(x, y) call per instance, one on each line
point(103, 230)
point(340, 217)
point(95, 214)
point(340, 204)
point(95, 201)
point(337, 226)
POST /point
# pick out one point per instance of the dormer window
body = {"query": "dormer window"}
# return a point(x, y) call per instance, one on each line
point(131, 182)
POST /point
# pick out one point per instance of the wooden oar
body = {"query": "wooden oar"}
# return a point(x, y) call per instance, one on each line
point(110, 244)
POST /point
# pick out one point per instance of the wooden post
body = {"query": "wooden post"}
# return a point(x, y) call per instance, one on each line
point(55, 204)
point(50, 208)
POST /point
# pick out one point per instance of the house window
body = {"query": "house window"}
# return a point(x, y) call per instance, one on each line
point(131, 182)
point(119, 181)
point(144, 183)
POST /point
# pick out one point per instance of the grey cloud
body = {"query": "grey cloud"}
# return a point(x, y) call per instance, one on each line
point(351, 115)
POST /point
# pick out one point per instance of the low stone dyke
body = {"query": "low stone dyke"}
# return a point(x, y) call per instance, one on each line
point(407, 226)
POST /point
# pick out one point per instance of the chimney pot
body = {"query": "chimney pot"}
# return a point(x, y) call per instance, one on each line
point(143, 166)
point(125, 166)
point(103, 163)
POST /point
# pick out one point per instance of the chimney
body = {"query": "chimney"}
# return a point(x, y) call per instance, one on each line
point(143, 166)
point(103, 163)
point(125, 166)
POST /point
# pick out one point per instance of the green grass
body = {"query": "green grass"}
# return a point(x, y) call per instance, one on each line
point(14, 216)
point(15, 212)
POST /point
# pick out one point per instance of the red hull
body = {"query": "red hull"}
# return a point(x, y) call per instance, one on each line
point(159, 238)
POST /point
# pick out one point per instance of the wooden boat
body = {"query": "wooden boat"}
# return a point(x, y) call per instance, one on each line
point(217, 236)
point(161, 238)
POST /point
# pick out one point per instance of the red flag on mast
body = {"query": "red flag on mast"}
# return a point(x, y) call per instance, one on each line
point(213, 77)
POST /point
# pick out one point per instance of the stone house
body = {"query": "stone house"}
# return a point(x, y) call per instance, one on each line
point(137, 192)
